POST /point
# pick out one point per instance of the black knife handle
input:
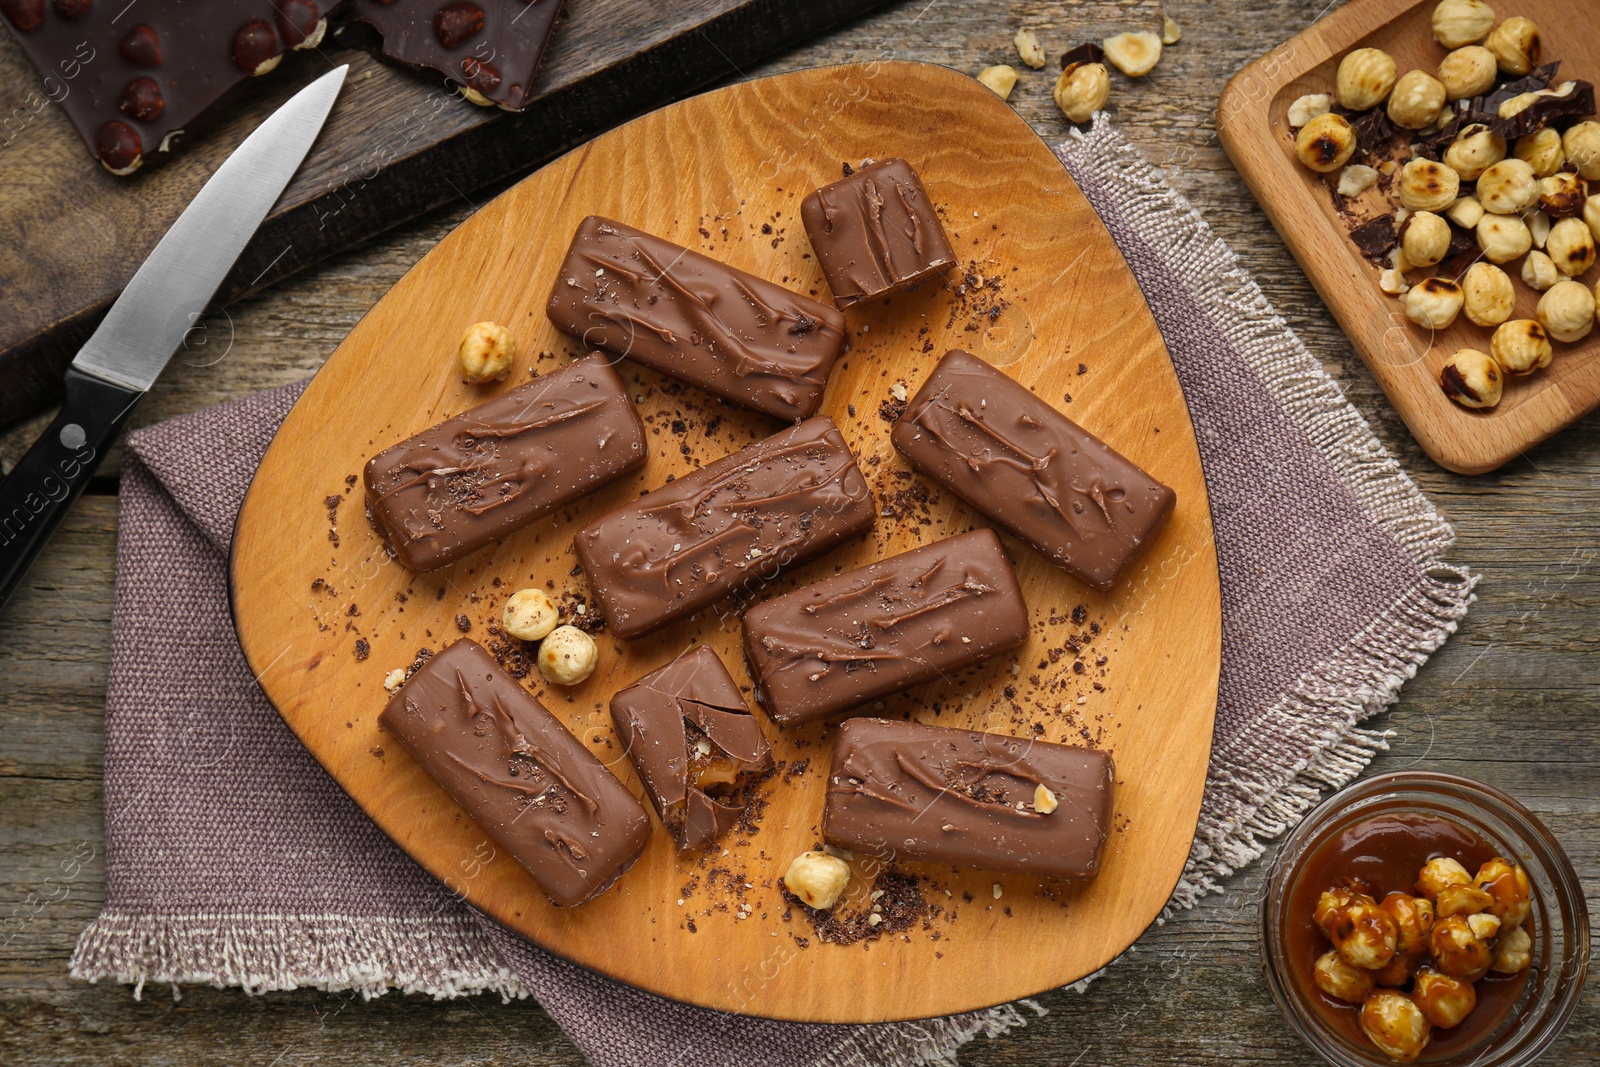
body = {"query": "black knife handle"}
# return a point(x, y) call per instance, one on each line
point(35, 497)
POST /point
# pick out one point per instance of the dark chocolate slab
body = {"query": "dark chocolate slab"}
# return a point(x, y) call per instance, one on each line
point(727, 528)
point(862, 635)
point(701, 321)
point(907, 791)
point(1031, 469)
point(692, 739)
point(490, 471)
point(519, 773)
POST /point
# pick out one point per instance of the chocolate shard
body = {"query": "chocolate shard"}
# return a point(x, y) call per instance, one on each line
point(730, 527)
point(519, 774)
point(698, 320)
point(1376, 238)
point(876, 232)
point(939, 795)
point(1088, 52)
point(488, 472)
point(862, 635)
point(1536, 80)
point(1576, 100)
point(1031, 469)
point(696, 746)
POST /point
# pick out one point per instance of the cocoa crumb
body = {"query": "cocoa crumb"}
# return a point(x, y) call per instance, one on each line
point(463, 624)
point(362, 648)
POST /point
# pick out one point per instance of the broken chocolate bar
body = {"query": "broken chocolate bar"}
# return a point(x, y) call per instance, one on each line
point(694, 743)
point(1028, 467)
point(727, 528)
point(906, 791)
point(698, 320)
point(490, 471)
point(837, 643)
point(875, 232)
point(519, 774)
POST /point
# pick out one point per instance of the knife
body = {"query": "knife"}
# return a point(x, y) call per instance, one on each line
point(166, 297)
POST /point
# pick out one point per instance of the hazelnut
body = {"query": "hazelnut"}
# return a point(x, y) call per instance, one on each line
point(1341, 981)
point(567, 656)
point(1474, 151)
point(1081, 90)
point(1539, 272)
point(1509, 187)
point(1515, 44)
point(1425, 239)
point(1538, 228)
point(1428, 186)
point(1416, 100)
point(1591, 215)
point(1393, 282)
point(1363, 933)
point(1326, 143)
point(1513, 951)
point(1396, 974)
point(1413, 921)
point(1472, 379)
point(817, 878)
point(1171, 32)
point(1571, 247)
point(1044, 801)
point(1566, 310)
point(1029, 48)
point(1365, 78)
point(529, 615)
point(1330, 902)
point(1507, 884)
point(1461, 900)
point(1503, 237)
point(1433, 303)
point(1563, 195)
point(1443, 999)
point(1466, 212)
point(1308, 107)
point(1542, 151)
point(1468, 72)
point(1521, 347)
point(1462, 22)
point(1581, 143)
point(394, 679)
point(1135, 54)
point(1487, 295)
point(486, 352)
point(1395, 1024)
point(1438, 873)
point(1459, 952)
point(1356, 179)
point(1002, 79)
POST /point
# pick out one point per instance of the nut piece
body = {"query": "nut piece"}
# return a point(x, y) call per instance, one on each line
point(1326, 143)
point(1428, 186)
point(567, 656)
point(486, 352)
point(1438, 873)
point(1471, 379)
point(1488, 295)
point(1516, 45)
point(1331, 902)
point(1081, 90)
point(1393, 282)
point(529, 615)
point(1563, 195)
point(1363, 933)
point(1413, 921)
point(1425, 239)
point(1356, 179)
point(1029, 48)
point(1591, 215)
point(1416, 101)
point(1567, 314)
point(1513, 952)
point(1571, 247)
point(817, 878)
point(1444, 1000)
point(1002, 79)
point(1461, 900)
point(1542, 151)
point(1135, 54)
point(1521, 347)
point(1459, 952)
point(1365, 78)
point(1468, 72)
point(1462, 22)
point(394, 679)
point(1308, 107)
point(1504, 237)
point(1339, 980)
point(1581, 143)
point(1539, 271)
point(1539, 228)
point(1474, 151)
point(1044, 801)
point(1395, 1024)
point(1509, 187)
point(1466, 212)
point(1171, 32)
point(1507, 883)
point(1434, 303)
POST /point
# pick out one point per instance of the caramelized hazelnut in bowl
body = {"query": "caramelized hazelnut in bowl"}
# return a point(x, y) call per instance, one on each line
point(1417, 917)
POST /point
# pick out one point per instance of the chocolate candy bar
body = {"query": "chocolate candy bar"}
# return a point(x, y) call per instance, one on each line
point(520, 774)
point(870, 632)
point(703, 322)
point(907, 791)
point(492, 470)
point(491, 48)
point(727, 528)
point(694, 743)
point(875, 232)
point(1031, 469)
point(134, 79)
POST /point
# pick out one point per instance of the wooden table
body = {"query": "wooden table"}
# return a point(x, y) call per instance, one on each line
point(1511, 699)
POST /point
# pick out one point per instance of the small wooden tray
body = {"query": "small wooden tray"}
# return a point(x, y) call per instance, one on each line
point(1252, 119)
point(725, 173)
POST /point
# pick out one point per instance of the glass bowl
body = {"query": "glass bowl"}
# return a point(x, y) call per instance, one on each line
point(1560, 916)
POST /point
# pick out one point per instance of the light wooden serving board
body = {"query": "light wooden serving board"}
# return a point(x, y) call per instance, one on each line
point(725, 173)
point(1252, 119)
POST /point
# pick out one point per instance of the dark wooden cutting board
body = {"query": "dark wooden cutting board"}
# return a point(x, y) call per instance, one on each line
point(398, 143)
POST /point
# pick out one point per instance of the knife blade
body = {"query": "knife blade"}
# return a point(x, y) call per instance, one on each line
point(147, 324)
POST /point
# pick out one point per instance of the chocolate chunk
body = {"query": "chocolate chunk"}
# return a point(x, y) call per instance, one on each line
point(488, 472)
point(931, 793)
point(1031, 469)
point(726, 528)
point(1376, 239)
point(519, 774)
point(694, 743)
point(1088, 52)
point(865, 634)
point(875, 232)
point(1577, 103)
point(492, 47)
point(1536, 80)
point(701, 321)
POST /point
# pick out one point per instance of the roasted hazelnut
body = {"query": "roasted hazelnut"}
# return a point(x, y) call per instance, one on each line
point(1509, 187)
point(1428, 186)
point(1473, 380)
point(1413, 921)
point(1457, 951)
point(1468, 72)
point(1305, 108)
point(1503, 237)
point(1356, 179)
point(567, 656)
point(1425, 239)
point(1462, 22)
point(1443, 999)
point(1396, 974)
point(1002, 79)
point(1474, 151)
point(119, 147)
point(1029, 48)
point(529, 615)
point(1539, 272)
point(1081, 90)
point(1484, 927)
point(1341, 981)
point(394, 679)
point(1135, 54)
point(1438, 873)
point(1507, 884)
point(1395, 1024)
point(1365, 78)
point(1591, 215)
point(1363, 933)
point(1488, 296)
point(1326, 143)
point(486, 352)
point(1521, 347)
point(1461, 900)
point(1393, 282)
point(1045, 800)
point(1465, 212)
point(817, 878)
point(1581, 143)
point(1515, 44)
point(1538, 228)
point(1416, 100)
point(1331, 901)
point(1433, 303)
point(1562, 196)
point(1571, 247)
point(255, 49)
point(456, 22)
point(1566, 310)
point(1542, 151)
point(1513, 951)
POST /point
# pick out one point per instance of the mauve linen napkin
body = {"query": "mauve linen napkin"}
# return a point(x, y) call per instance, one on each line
point(232, 858)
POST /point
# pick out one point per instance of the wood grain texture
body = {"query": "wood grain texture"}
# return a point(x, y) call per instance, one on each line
point(1510, 700)
point(1252, 119)
point(1063, 298)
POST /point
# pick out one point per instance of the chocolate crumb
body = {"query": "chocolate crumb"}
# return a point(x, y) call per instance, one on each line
point(362, 648)
point(463, 624)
